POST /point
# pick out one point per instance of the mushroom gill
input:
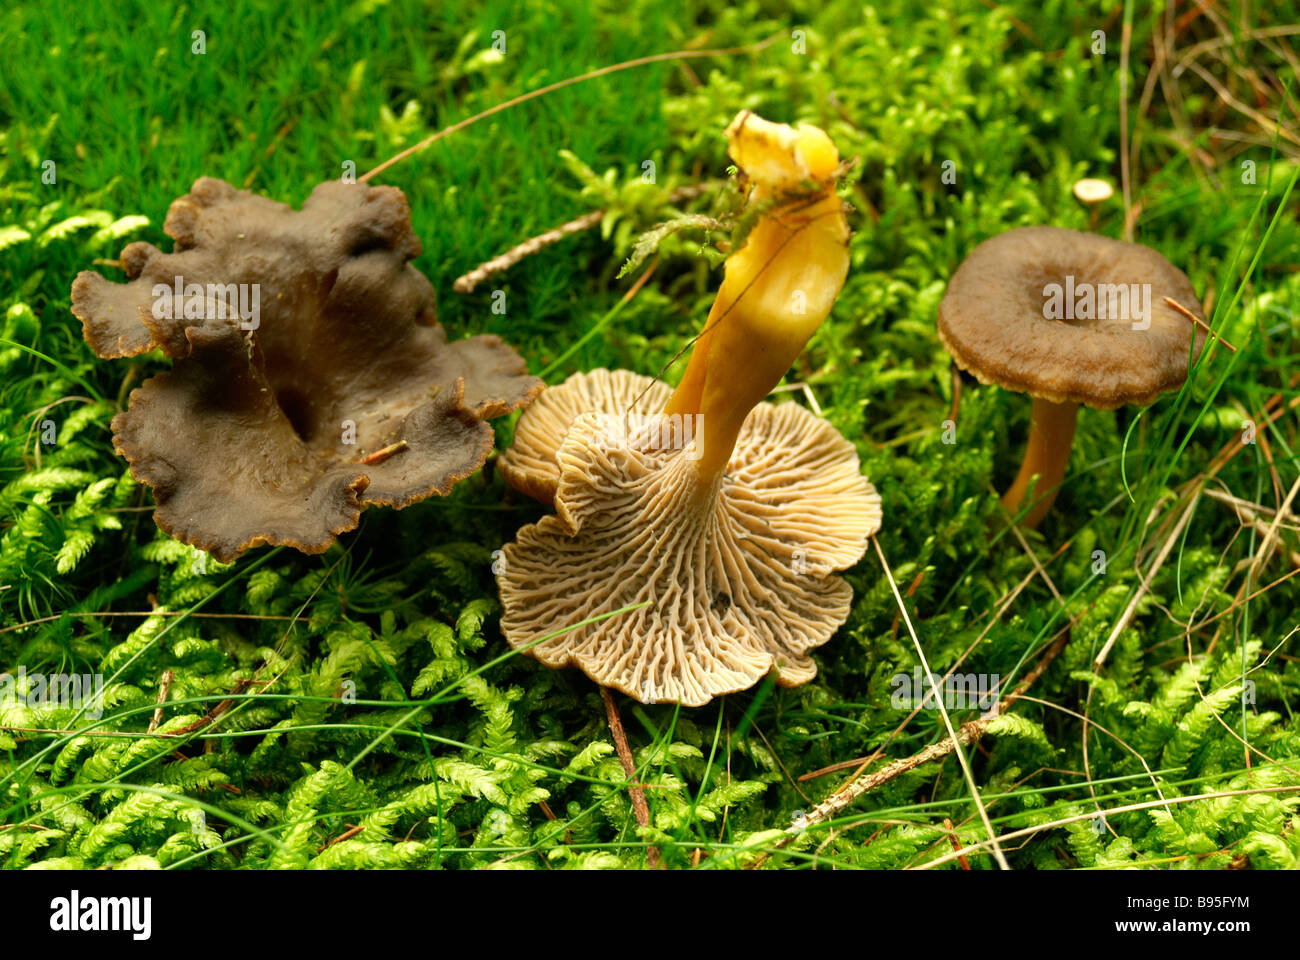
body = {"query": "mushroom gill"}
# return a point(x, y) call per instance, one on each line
point(721, 516)
point(310, 377)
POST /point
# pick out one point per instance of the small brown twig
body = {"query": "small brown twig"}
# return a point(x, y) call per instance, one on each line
point(467, 282)
point(967, 734)
point(215, 713)
point(956, 843)
point(164, 686)
point(639, 806)
point(382, 454)
point(347, 835)
point(1199, 322)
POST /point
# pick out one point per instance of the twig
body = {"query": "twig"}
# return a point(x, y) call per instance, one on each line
point(1126, 40)
point(382, 454)
point(347, 835)
point(956, 739)
point(215, 713)
point(1199, 322)
point(956, 843)
point(966, 735)
point(467, 282)
point(639, 806)
point(164, 687)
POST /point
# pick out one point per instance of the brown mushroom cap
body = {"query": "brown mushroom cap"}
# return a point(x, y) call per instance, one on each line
point(737, 581)
point(246, 439)
point(991, 319)
point(529, 465)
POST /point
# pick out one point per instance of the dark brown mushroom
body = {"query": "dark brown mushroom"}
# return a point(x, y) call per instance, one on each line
point(310, 376)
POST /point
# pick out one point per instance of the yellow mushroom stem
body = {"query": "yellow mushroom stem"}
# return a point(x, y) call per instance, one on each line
point(1051, 433)
point(778, 287)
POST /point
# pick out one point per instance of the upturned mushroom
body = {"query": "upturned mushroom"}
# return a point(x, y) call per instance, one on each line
point(1069, 318)
point(723, 517)
point(310, 377)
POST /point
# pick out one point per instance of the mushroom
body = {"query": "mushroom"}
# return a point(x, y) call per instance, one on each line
point(1092, 192)
point(310, 377)
point(722, 517)
point(1069, 318)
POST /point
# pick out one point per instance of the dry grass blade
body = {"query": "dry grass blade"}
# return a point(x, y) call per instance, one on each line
point(1145, 584)
point(561, 84)
point(1127, 808)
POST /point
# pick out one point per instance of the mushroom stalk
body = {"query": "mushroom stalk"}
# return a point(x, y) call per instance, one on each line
point(779, 285)
point(1051, 434)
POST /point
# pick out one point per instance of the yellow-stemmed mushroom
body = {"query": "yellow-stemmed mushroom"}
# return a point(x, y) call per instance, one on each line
point(721, 515)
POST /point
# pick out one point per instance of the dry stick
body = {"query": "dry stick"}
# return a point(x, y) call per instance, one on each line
point(467, 282)
point(1265, 551)
point(1246, 514)
point(639, 807)
point(215, 713)
point(943, 712)
point(968, 733)
point(382, 454)
point(141, 613)
point(1229, 450)
point(1223, 94)
point(956, 842)
point(164, 687)
point(1003, 604)
point(347, 835)
point(1199, 322)
point(1250, 506)
point(542, 91)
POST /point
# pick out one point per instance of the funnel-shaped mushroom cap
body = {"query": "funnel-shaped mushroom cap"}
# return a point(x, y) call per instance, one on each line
point(1070, 316)
point(530, 465)
point(736, 581)
point(310, 375)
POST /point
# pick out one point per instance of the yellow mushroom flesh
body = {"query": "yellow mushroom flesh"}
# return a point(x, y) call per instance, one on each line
point(778, 286)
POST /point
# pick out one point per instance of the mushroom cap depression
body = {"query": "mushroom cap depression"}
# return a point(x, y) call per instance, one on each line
point(737, 582)
point(992, 318)
point(338, 391)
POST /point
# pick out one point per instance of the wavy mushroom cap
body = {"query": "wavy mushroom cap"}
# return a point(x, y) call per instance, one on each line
point(340, 391)
point(735, 582)
point(994, 318)
point(530, 464)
